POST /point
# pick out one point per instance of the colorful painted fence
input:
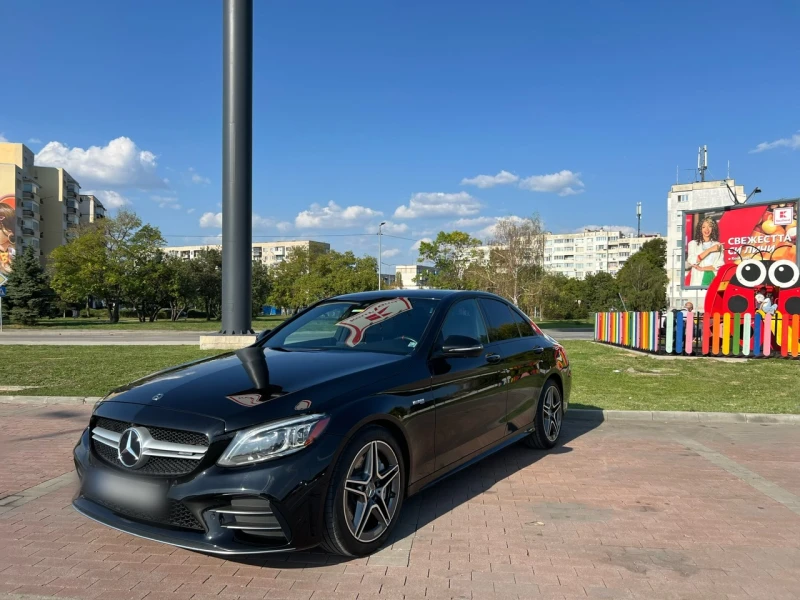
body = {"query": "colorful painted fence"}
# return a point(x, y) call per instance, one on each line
point(742, 335)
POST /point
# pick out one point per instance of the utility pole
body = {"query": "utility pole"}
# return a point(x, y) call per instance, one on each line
point(237, 166)
point(380, 257)
point(639, 219)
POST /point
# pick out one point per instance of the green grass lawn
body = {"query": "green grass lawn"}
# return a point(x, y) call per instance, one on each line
point(101, 323)
point(603, 376)
point(86, 370)
point(610, 378)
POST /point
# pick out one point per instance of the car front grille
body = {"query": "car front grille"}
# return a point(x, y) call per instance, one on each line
point(177, 515)
point(175, 436)
point(163, 466)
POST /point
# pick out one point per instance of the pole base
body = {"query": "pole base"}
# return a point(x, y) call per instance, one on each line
point(218, 341)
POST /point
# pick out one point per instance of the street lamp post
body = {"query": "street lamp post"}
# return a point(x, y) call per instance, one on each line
point(380, 257)
point(237, 167)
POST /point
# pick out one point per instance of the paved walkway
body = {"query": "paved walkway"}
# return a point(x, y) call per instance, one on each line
point(620, 510)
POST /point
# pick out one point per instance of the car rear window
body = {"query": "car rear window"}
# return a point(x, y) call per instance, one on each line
point(501, 323)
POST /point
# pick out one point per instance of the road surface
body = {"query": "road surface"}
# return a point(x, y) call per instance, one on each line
point(122, 337)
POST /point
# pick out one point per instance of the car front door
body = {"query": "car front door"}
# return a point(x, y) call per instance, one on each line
point(468, 391)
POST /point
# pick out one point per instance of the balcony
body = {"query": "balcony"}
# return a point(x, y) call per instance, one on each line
point(72, 204)
point(72, 211)
point(30, 196)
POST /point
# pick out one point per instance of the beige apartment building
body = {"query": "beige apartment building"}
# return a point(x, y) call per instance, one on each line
point(269, 253)
point(590, 251)
point(413, 277)
point(59, 207)
point(90, 208)
point(19, 204)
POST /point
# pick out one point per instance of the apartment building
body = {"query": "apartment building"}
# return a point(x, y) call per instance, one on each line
point(269, 253)
point(90, 208)
point(59, 207)
point(413, 277)
point(590, 251)
point(19, 204)
point(691, 196)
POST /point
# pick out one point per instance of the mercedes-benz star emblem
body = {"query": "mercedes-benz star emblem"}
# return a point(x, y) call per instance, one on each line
point(130, 448)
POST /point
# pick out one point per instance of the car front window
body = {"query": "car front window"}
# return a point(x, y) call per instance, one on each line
point(393, 325)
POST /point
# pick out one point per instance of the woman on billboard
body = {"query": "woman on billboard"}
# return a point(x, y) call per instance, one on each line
point(8, 217)
point(705, 255)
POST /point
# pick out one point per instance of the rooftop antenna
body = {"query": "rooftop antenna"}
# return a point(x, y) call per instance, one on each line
point(639, 219)
point(702, 161)
point(729, 170)
point(677, 175)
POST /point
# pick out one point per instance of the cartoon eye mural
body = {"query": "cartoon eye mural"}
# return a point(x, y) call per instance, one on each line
point(751, 273)
point(784, 273)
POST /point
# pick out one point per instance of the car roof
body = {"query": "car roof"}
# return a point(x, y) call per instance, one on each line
point(435, 294)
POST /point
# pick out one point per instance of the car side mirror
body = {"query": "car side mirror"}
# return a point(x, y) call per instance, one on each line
point(262, 335)
point(460, 345)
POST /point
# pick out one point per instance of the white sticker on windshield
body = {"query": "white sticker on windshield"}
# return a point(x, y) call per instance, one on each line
point(376, 313)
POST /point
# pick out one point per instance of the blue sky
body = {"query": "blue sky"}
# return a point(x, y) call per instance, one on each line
point(392, 110)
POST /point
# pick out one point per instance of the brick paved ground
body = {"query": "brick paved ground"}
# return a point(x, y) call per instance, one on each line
point(624, 510)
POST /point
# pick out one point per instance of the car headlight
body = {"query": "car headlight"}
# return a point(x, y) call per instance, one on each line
point(272, 440)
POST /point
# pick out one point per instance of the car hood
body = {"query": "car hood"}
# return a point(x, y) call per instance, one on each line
point(255, 385)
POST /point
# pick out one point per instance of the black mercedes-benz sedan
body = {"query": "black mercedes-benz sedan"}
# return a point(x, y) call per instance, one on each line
point(317, 433)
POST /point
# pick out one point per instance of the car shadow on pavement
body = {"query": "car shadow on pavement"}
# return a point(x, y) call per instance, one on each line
point(432, 503)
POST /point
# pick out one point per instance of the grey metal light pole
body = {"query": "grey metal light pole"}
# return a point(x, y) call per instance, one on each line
point(380, 257)
point(237, 166)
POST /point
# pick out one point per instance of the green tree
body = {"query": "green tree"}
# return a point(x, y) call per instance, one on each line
point(601, 291)
point(28, 291)
point(306, 277)
point(451, 253)
point(112, 260)
point(561, 297)
point(207, 268)
point(262, 286)
point(642, 280)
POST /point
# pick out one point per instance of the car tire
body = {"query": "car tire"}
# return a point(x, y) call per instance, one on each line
point(549, 418)
point(360, 498)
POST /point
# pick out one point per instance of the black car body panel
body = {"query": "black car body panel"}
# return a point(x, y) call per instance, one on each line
point(445, 412)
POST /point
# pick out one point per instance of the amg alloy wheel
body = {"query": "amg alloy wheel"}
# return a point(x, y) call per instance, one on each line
point(549, 416)
point(365, 495)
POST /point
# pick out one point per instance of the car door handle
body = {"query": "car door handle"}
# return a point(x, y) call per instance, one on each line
point(493, 358)
point(538, 349)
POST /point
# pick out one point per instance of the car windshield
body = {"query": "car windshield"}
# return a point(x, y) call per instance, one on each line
point(393, 325)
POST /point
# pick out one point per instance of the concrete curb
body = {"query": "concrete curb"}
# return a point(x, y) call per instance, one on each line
point(49, 399)
point(663, 416)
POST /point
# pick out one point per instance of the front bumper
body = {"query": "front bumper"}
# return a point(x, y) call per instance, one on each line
point(288, 493)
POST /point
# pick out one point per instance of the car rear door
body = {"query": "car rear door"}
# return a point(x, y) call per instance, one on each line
point(468, 391)
point(534, 358)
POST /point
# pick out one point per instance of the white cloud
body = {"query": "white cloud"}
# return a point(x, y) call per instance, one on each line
point(626, 229)
point(197, 178)
point(415, 245)
point(476, 222)
point(390, 253)
point(487, 181)
point(438, 204)
point(167, 202)
point(792, 142)
point(391, 228)
point(284, 226)
point(120, 163)
point(334, 216)
point(211, 219)
point(3, 139)
point(34, 141)
point(565, 183)
point(189, 211)
point(109, 198)
point(214, 220)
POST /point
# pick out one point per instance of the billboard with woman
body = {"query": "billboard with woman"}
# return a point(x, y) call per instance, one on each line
point(717, 237)
point(8, 225)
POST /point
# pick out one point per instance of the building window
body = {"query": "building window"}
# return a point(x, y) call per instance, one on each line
point(678, 228)
point(683, 197)
point(679, 243)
